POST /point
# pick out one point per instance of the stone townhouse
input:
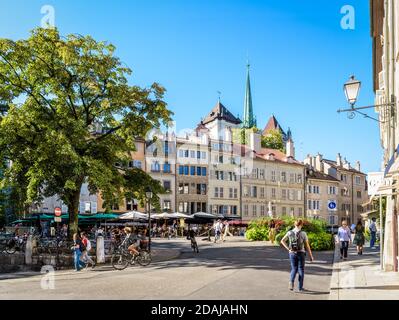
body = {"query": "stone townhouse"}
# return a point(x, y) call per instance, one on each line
point(192, 173)
point(224, 180)
point(384, 16)
point(137, 160)
point(274, 186)
point(321, 194)
point(160, 158)
point(352, 197)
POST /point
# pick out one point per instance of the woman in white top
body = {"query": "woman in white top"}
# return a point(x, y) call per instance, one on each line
point(344, 238)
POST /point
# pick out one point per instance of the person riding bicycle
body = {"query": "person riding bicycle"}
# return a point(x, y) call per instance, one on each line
point(131, 242)
point(191, 236)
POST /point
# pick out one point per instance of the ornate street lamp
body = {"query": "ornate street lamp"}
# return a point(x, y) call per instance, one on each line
point(352, 89)
point(149, 194)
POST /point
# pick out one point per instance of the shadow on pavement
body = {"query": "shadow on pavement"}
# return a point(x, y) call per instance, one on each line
point(255, 257)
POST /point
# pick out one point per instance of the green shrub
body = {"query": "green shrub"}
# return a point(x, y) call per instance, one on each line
point(257, 234)
point(321, 241)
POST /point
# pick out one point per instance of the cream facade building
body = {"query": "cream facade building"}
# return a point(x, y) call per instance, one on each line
point(322, 196)
point(275, 187)
point(224, 162)
point(160, 159)
point(192, 173)
point(352, 196)
point(385, 35)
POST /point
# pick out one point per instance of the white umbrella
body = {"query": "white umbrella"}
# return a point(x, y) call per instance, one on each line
point(133, 215)
point(178, 215)
point(206, 215)
point(163, 215)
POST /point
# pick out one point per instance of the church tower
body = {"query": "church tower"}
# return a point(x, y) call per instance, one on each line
point(249, 120)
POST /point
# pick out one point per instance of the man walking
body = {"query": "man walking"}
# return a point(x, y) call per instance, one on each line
point(218, 230)
point(297, 242)
point(373, 232)
point(226, 231)
point(85, 254)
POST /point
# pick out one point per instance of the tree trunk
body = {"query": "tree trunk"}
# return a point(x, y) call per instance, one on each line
point(73, 211)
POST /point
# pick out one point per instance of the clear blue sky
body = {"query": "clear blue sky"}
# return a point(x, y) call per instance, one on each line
point(300, 58)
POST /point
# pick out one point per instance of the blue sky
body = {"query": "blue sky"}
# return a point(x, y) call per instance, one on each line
point(299, 54)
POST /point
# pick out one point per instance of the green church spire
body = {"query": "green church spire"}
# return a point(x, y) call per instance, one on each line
point(249, 120)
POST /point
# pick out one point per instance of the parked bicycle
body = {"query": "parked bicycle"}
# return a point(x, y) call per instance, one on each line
point(14, 244)
point(122, 257)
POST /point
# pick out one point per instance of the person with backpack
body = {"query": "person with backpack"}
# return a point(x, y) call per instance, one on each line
point(297, 245)
point(77, 248)
point(85, 254)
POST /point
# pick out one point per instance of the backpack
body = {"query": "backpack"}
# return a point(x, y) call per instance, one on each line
point(88, 245)
point(295, 242)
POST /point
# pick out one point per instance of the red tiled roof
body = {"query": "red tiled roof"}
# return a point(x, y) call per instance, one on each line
point(278, 155)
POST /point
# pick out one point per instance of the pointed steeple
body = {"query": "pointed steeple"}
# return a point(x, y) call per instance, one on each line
point(249, 120)
point(289, 134)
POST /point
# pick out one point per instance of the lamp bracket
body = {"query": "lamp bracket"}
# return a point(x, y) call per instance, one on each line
point(354, 110)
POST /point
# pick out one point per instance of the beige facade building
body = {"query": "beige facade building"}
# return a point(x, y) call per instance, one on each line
point(137, 161)
point(161, 166)
point(385, 35)
point(322, 196)
point(224, 162)
point(192, 173)
point(352, 196)
point(274, 186)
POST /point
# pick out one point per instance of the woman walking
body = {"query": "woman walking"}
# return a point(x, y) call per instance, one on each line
point(297, 246)
point(78, 248)
point(272, 231)
point(344, 238)
point(359, 237)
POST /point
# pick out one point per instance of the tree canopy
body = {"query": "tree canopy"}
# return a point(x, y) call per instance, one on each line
point(273, 140)
point(71, 116)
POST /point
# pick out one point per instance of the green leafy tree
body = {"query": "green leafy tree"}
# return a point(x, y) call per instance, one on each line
point(273, 140)
point(241, 135)
point(72, 116)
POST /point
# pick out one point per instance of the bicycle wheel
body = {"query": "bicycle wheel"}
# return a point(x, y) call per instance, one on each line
point(11, 247)
point(119, 261)
point(144, 259)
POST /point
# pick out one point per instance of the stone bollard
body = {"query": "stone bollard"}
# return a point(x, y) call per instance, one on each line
point(28, 250)
point(100, 250)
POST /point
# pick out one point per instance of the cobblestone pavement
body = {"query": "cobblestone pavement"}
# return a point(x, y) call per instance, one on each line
point(235, 269)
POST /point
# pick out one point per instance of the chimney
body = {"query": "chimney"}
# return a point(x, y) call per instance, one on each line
point(339, 160)
point(308, 160)
point(290, 148)
point(255, 141)
point(357, 165)
point(319, 166)
point(346, 164)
